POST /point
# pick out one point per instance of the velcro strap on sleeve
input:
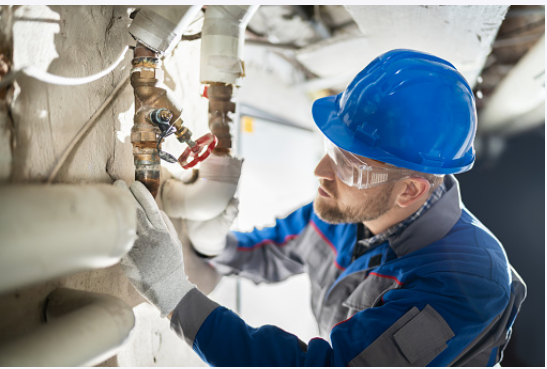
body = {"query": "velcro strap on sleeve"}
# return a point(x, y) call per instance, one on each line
point(425, 334)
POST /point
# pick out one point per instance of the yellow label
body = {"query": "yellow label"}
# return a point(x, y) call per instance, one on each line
point(247, 124)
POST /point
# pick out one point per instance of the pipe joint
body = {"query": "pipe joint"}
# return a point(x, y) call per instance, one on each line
point(161, 27)
point(155, 110)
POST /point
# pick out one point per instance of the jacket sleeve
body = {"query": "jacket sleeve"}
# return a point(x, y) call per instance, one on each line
point(428, 321)
point(266, 255)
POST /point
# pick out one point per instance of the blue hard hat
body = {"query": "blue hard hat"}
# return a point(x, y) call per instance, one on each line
point(406, 108)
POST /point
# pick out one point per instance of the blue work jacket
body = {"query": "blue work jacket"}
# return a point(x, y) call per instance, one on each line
point(440, 293)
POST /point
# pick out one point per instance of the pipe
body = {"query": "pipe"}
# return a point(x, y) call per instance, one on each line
point(150, 95)
point(83, 329)
point(209, 195)
point(290, 47)
point(157, 32)
point(222, 65)
point(160, 28)
point(50, 231)
point(220, 107)
point(45, 77)
point(156, 111)
point(519, 93)
point(222, 40)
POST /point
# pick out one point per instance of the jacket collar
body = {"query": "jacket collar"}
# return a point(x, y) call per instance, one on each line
point(434, 224)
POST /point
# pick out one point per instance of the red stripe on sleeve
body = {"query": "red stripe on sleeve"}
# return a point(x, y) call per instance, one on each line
point(387, 276)
point(343, 321)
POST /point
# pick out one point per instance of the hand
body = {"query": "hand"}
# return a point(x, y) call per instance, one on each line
point(154, 266)
point(209, 237)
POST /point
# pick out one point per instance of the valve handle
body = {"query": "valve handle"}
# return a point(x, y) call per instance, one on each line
point(201, 150)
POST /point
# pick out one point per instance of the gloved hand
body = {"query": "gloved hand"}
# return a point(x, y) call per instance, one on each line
point(209, 237)
point(154, 266)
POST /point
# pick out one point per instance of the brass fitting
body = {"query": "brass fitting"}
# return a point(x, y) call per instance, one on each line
point(150, 95)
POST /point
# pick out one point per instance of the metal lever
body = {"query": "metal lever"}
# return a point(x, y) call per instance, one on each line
point(195, 152)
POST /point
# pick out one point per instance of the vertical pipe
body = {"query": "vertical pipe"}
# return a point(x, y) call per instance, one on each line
point(222, 65)
point(146, 79)
point(7, 128)
point(220, 107)
point(222, 39)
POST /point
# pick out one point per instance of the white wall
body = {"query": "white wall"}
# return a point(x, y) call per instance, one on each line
point(77, 41)
point(277, 179)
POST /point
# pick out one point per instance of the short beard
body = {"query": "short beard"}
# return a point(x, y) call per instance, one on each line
point(371, 210)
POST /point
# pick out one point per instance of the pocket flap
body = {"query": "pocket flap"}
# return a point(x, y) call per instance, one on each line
point(425, 333)
point(370, 291)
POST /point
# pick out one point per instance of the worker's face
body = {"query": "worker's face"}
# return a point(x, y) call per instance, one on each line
point(337, 202)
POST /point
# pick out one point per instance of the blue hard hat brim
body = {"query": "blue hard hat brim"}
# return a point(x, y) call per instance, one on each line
point(324, 112)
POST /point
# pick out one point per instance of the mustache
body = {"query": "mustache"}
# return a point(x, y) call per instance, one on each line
point(328, 186)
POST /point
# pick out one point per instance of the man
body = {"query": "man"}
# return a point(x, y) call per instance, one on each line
point(402, 274)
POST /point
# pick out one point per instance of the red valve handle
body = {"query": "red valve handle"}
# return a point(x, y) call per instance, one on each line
point(204, 145)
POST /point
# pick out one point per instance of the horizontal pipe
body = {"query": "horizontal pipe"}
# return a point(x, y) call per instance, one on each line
point(250, 41)
point(50, 231)
point(520, 92)
point(83, 329)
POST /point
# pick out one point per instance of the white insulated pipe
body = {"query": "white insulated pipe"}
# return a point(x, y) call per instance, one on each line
point(222, 39)
point(83, 329)
point(160, 27)
point(50, 231)
point(209, 195)
point(521, 92)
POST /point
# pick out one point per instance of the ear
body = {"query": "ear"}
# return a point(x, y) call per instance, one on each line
point(414, 190)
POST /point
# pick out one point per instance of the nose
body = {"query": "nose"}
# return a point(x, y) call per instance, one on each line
point(324, 169)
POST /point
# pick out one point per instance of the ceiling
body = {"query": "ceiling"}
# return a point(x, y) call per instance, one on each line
point(331, 43)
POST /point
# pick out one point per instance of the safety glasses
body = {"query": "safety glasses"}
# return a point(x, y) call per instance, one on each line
point(356, 173)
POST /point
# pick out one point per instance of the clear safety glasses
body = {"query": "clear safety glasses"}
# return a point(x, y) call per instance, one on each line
point(356, 173)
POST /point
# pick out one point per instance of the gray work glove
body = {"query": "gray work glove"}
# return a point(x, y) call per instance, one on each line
point(209, 237)
point(154, 266)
